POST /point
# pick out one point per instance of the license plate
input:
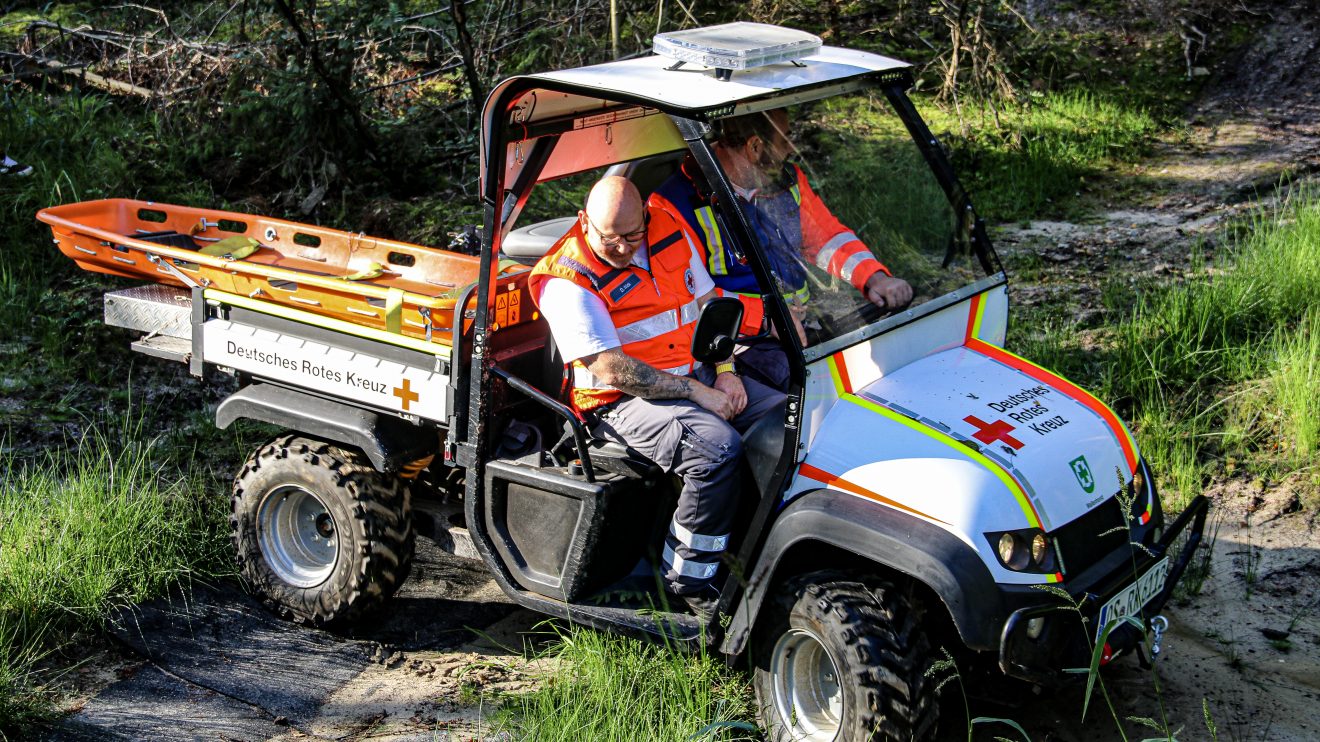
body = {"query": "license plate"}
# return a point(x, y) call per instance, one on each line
point(1130, 599)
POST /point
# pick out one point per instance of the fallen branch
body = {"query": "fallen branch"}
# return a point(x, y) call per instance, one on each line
point(95, 80)
point(43, 66)
point(129, 42)
point(1191, 36)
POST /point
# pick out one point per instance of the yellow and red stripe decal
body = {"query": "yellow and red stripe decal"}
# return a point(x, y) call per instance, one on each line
point(833, 480)
point(1079, 394)
point(1019, 494)
point(974, 316)
point(839, 372)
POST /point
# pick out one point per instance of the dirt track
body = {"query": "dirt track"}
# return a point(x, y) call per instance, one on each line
point(209, 662)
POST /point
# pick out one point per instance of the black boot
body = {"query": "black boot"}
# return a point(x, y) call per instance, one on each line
point(702, 603)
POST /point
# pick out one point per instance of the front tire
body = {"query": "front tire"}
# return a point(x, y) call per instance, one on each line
point(320, 536)
point(841, 660)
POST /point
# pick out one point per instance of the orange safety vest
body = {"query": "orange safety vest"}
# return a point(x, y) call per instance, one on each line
point(654, 313)
point(824, 241)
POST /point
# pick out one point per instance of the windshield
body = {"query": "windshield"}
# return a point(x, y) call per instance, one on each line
point(847, 211)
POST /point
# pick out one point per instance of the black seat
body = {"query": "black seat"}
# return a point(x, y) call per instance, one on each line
point(530, 243)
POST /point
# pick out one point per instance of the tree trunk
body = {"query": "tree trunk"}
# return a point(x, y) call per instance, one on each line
point(458, 11)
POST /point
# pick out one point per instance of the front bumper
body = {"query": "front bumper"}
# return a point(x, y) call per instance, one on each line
point(1068, 636)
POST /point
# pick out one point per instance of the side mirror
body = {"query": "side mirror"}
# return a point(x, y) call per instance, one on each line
point(716, 329)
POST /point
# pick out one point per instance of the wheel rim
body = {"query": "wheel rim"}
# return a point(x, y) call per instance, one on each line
point(299, 537)
point(807, 693)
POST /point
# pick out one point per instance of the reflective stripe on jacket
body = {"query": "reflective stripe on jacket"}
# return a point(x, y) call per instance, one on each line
point(793, 225)
point(654, 313)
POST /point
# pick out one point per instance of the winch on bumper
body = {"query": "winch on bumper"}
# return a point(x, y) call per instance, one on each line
point(1048, 635)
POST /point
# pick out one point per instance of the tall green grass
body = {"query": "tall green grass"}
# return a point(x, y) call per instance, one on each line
point(22, 702)
point(1293, 391)
point(81, 147)
point(613, 687)
point(1039, 154)
point(82, 530)
point(1222, 371)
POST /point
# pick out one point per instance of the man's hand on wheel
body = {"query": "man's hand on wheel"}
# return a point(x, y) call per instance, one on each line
point(887, 292)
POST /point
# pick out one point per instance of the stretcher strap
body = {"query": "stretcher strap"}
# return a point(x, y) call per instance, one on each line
point(394, 310)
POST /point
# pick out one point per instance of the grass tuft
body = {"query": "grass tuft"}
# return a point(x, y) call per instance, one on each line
point(83, 530)
point(1291, 390)
point(23, 702)
point(613, 687)
point(1044, 150)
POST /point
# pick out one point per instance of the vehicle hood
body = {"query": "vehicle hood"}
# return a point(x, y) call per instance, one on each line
point(1036, 439)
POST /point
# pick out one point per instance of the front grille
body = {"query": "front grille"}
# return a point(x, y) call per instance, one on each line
point(1081, 543)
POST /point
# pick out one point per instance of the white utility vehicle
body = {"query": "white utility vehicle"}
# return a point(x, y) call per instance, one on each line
point(919, 488)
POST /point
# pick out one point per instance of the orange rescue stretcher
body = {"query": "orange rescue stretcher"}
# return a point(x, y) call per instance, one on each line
point(383, 284)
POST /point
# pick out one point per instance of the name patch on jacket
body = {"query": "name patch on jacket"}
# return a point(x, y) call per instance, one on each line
point(620, 291)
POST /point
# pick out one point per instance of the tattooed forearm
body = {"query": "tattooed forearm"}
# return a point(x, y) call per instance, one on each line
point(631, 376)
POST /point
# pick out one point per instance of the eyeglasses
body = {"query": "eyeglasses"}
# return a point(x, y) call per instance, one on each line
point(631, 237)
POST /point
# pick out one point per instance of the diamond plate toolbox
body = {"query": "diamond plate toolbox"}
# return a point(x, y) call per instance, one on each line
point(159, 310)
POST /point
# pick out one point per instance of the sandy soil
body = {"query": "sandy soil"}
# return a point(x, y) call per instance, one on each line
point(434, 694)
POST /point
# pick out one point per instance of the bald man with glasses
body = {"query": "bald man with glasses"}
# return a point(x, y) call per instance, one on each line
point(621, 293)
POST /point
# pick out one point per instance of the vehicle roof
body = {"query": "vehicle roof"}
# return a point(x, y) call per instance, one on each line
point(603, 113)
point(694, 89)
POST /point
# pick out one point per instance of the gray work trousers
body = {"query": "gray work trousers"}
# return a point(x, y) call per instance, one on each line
point(703, 449)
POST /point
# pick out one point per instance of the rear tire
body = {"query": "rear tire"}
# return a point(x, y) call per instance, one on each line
point(843, 660)
point(320, 536)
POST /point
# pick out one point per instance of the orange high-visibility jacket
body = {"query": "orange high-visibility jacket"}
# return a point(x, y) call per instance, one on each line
point(654, 313)
point(813, 232)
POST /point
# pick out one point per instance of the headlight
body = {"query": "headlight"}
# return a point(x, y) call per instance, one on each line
point(1039, 549)
point(1008, 549)
point(1026, 550)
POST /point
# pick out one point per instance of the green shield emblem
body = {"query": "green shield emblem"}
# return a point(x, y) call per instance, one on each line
point(1083, 473)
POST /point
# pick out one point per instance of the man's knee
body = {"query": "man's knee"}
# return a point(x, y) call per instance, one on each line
point(712, 441)
point(726, 437)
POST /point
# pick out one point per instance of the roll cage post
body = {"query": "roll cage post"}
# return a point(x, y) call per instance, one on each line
point(734, 225)
point(969, 223)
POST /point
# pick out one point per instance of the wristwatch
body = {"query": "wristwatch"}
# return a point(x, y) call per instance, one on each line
point(725, 367)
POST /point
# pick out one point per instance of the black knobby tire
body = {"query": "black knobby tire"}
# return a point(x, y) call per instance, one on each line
point(320, 536)
point(869, 636)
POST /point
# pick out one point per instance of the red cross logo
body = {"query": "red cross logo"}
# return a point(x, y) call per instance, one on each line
point(990, 432)
point(406, 394)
